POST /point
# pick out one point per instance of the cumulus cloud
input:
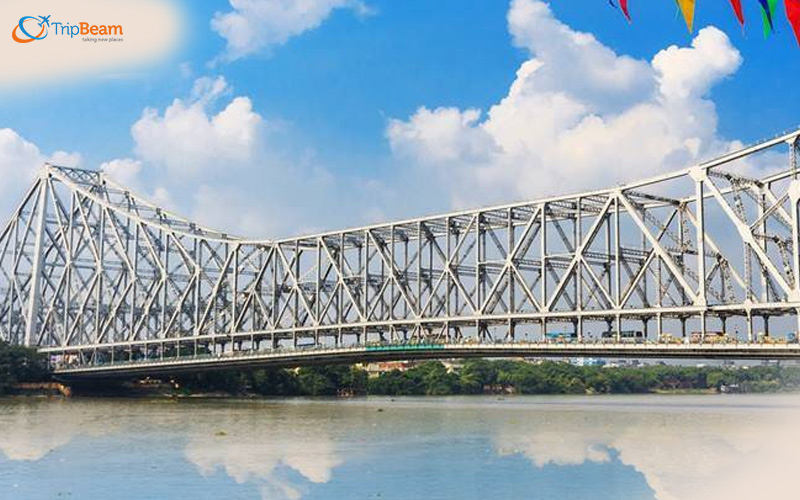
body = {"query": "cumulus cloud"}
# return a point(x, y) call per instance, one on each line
point(213, 158)
point(577, 115)
point(188, 138)
point(256, 25)
point(20, 162)
point(124, 171)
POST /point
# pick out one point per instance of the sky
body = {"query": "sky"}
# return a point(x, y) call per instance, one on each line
point(275, 118)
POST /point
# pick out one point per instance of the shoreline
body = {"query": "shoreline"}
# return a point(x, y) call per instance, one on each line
point(167, 396)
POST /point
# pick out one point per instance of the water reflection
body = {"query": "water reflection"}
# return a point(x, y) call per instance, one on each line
point(686, 448)
point(31, 431)
point(669, 448)
point(253, 446)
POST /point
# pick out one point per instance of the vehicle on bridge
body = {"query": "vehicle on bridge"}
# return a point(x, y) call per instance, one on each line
point(625, 336)
point(561, 337)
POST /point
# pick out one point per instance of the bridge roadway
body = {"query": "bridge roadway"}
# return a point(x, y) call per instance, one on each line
point(291, 358)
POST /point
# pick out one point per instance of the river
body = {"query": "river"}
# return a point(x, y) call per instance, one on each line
point(602, 447)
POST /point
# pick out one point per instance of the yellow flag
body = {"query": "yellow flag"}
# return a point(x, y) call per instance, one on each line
point(687, 8)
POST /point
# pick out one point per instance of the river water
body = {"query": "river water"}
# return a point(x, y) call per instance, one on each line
point(636, 447)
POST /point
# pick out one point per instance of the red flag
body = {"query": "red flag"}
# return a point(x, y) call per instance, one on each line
point(793, 13)
point(737, 8)
point(624, 6)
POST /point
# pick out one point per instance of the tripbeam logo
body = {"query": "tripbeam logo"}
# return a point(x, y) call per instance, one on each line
point(32, 28)
point(20, 30)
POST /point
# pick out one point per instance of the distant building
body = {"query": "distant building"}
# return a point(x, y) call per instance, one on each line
point(375, 369)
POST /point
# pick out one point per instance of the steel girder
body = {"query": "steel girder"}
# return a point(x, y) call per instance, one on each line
point(87, 266)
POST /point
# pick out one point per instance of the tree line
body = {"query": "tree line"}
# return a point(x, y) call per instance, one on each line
point(485, 377)
point(475, 376)
point(20, 364)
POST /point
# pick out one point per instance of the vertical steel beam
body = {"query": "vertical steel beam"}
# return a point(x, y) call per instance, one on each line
point(32, 320)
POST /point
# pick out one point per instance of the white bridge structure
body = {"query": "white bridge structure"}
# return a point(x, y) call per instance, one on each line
point(703, 261)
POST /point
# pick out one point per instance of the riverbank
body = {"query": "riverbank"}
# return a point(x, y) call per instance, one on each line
point(24, 371)
point(472, 377)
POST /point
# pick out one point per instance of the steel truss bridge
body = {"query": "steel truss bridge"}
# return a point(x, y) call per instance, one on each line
point(109, 284)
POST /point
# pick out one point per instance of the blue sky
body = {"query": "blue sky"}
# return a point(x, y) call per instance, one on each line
point(327, 96)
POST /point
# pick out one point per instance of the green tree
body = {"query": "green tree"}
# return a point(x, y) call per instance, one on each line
point(20, 364)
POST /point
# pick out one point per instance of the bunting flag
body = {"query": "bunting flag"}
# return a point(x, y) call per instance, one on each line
point(687, 8)
point(624, 6)
point(793, 14)
point(767, 12)
point(737, 8)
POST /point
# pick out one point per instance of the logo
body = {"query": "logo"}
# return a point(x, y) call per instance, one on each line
point(32, 28)
point(43, 23)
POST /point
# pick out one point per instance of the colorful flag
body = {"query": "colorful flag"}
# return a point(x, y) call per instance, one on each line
point(624, 6)
point(687, 8)
point(793, 13)
point(767, 12)
point(737, 8)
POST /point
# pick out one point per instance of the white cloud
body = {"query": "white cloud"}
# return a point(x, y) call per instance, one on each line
point(20, 162)
point(124, 171)
point(255, 25)
point(188, 138)
point(65, 159)
point(577, 115)
point(228, 169)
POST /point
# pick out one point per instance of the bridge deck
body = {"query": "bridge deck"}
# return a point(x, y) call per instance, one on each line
point(360, 354)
